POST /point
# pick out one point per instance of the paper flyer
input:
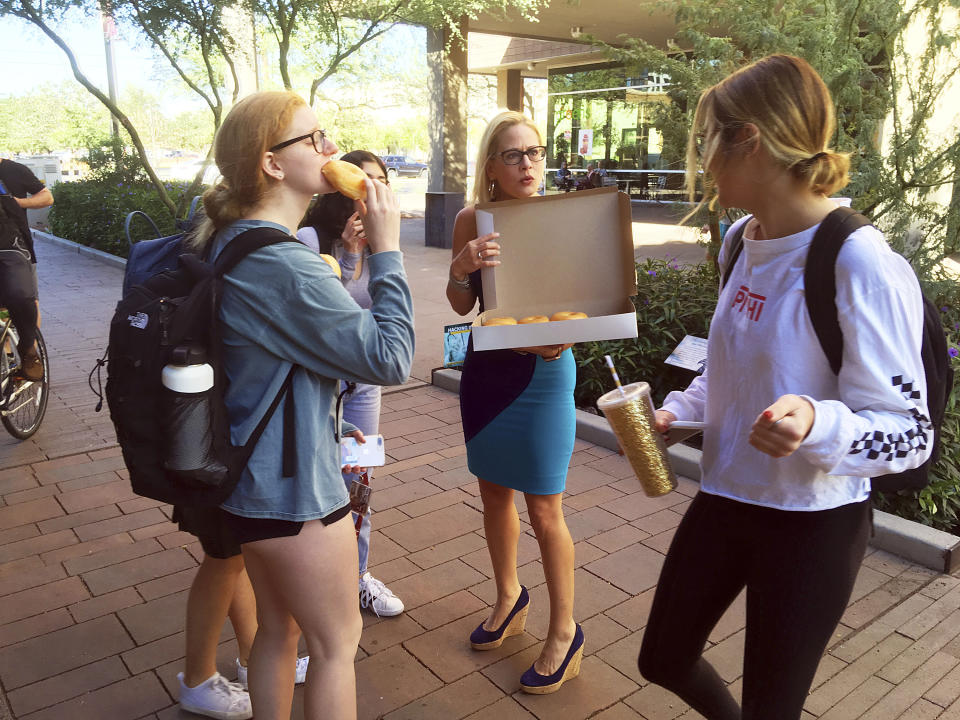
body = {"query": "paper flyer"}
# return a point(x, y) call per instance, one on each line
point(691, 354)
point(455, 339)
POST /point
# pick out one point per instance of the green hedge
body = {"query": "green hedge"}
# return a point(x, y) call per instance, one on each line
point(672, 301)
point(92, 212)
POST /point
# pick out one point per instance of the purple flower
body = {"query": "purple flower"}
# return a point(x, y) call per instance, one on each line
point(652, 273)
point(944, 308)
point(953, 352)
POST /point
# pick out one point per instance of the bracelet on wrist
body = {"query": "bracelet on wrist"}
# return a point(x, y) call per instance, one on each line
point(463, 284)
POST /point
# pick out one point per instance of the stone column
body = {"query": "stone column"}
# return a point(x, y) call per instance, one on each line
point(447, 128)
point(510, 90)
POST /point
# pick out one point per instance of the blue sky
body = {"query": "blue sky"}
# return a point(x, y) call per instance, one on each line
point(29, 58)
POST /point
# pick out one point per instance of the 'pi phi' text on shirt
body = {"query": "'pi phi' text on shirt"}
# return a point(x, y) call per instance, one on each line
point(750, 302)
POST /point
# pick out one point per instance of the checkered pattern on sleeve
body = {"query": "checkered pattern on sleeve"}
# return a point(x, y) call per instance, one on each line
point(877, 444)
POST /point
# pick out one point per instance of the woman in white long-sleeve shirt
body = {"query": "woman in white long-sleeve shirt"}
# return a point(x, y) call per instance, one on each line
point(784, 505)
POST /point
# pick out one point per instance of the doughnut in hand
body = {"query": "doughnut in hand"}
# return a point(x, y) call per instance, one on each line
point(569, 315)
point(332, 262)
point(500, 321)
point(534, 319)
point(347, 178)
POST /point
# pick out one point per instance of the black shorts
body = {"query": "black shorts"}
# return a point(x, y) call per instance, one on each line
point(211, 527)
point(247, 529)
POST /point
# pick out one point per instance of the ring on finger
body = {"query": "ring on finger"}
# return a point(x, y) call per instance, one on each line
point(480, 254)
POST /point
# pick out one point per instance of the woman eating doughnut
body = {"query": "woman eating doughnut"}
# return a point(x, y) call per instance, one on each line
point(518, 421)
point(286, 318)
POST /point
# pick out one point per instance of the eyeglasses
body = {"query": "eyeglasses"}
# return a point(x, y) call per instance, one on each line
point(514, 157)
point(317, 137)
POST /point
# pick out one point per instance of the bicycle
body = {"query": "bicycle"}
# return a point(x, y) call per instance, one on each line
point(23, 403)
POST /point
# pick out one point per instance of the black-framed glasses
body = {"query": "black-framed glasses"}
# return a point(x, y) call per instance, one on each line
point(317, 137)
point(513, 156)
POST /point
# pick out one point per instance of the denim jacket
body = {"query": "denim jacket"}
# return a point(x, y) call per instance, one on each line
point(283, 305)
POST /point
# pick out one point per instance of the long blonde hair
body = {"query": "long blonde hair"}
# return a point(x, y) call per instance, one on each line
point(788, 102)
point(252, 126)
point(483, 190)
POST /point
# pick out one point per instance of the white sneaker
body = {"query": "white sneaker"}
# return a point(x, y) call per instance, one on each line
point(216, 697)
point(302, 664)
point(377, 596)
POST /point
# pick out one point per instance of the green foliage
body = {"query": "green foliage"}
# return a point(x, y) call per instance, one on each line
point(92, 212)
point(938, 504)
point(50, 117)
point(672, 301)
point(890, 67)
point(110, 163)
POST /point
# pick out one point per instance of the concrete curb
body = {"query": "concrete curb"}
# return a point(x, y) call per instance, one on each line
point(82, 249)
point(918, 543)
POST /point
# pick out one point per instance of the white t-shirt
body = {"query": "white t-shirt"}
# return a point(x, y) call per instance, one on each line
point(870, 420)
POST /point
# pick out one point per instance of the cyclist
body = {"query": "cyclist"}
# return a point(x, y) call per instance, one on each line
point(20, 190)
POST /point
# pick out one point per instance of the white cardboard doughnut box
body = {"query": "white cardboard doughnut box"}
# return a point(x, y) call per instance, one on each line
point(571, 251)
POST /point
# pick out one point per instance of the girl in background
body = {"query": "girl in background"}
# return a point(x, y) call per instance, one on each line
point(334, 227)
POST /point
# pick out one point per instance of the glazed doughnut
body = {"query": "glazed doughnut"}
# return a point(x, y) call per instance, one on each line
point(569, 315)
point(500, 321)
point(534, 319)
point(347, 178)
point(332, 262)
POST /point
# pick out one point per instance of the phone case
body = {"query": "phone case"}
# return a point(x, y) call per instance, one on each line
point(680, 430)
point(368, 454)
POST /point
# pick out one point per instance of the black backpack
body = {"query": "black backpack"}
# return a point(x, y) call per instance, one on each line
point(173, 310)
point(11, 239)
point(820, 273)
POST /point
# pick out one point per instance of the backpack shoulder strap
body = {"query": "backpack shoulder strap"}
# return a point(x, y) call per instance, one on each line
point(245, 243)
point(820, 279)
point(735, 240)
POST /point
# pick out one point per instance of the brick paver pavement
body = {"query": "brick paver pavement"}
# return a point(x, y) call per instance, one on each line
point(93, 579)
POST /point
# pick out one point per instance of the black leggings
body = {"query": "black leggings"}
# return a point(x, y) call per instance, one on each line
point(799, 569)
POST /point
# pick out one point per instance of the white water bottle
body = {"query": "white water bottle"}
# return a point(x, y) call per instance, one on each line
point(187, 419)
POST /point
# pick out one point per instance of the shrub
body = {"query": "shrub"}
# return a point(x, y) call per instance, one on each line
point(92, 212)
point(672, 301)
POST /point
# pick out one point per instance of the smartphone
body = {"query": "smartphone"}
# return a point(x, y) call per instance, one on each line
point(680, 430)
point(368, 454)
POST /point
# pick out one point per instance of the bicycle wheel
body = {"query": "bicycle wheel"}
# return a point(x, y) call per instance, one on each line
point(25, 402)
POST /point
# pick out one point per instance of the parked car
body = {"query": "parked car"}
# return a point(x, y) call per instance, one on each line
point(402, 166)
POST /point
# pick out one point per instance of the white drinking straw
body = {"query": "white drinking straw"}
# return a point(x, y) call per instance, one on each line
point(613, 371)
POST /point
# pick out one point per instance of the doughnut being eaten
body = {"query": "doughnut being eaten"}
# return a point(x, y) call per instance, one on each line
point(332, 262)
point(500, 321)
point(534, 319)
point(569, 315)
point(346, 178)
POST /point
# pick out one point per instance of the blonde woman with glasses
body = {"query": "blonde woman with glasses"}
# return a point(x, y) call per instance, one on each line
point(518, 421)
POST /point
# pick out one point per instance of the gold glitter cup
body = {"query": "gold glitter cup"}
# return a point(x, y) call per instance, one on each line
point(630, 414)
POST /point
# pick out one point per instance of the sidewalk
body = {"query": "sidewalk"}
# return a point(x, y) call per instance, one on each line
point(93, 579)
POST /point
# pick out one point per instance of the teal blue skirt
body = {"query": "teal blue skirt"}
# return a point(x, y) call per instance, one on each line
point(519, 419)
